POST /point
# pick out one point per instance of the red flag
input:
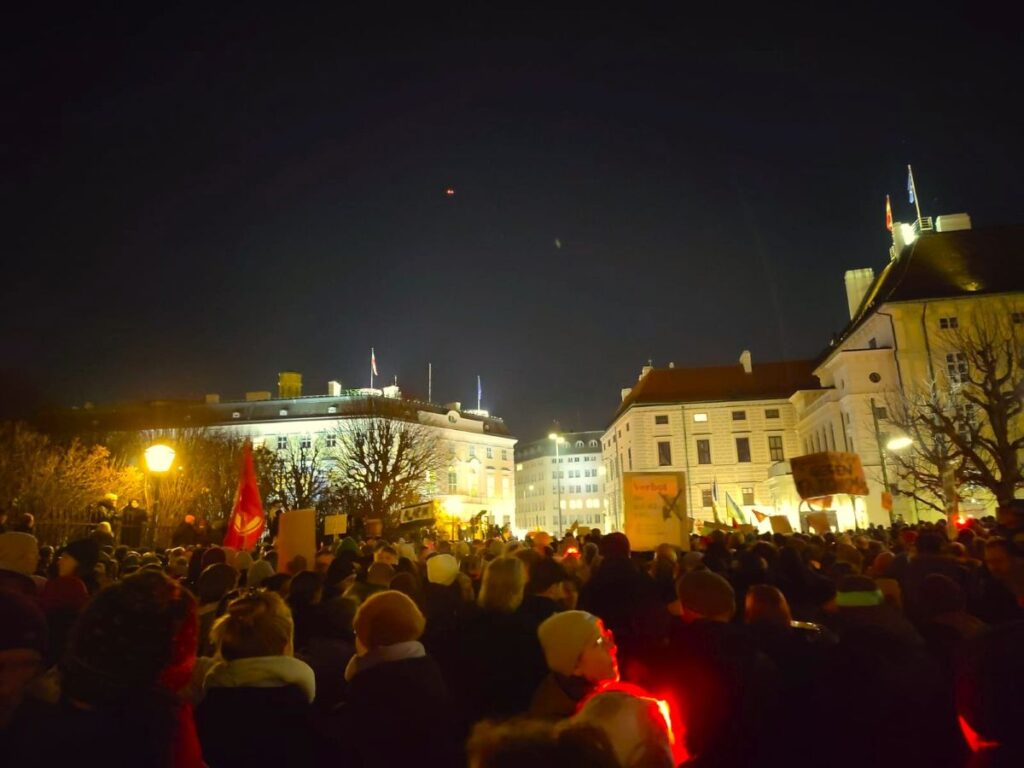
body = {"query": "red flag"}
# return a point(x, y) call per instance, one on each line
point(247, 520)
point(888, 214)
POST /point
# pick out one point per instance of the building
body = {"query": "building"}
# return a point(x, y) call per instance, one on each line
point(477, 447)
point(724, 426)
point(901, 340)
point(570, 478)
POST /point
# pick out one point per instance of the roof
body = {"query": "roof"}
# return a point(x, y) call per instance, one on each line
point(721, 383)
point(944, 265)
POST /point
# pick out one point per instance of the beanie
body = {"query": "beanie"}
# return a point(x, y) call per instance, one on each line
point(564, 636)
point(386, 618)
point(24, 626)
point(707, 594)
point(242, 561)
point(214, 555)
point(216, 581)
point(86, 553)
point(442, 569)
point(857, 592)
point(348, 544)
point(258, 572)
point(19, 552)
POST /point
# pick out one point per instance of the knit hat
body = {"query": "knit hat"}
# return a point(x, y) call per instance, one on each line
point(258, 571)
point(564, 636)
point(348, 544)
point(19, 552)
point(64, 593)
point(214, 555)
point(215, 582)
point(386, 618)
point(242, 561)
point(705, 593)
point(86, 552)
point(178, 567)
point(858, 592)
point(692, 561)
point(442, 569)
point(22, 624)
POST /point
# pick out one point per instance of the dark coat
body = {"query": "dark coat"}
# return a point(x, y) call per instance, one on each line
point(251, 726)
point(399, 713)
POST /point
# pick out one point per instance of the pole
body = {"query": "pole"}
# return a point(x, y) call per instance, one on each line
point(371, 367)
point(430, 382)
point(479, 393)
point(913, 191)
point(156, 509)
point(558, 481)
point(881, 450)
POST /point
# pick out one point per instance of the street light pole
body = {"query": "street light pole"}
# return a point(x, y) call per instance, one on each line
point(881, 458)
point(558, 480)
point(159, 458)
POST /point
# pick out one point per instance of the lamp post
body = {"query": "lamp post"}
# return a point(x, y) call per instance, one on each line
point(159, 458)
point(558, 478)
point(895, 442)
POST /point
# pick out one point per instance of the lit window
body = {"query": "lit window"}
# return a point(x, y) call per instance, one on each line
point(748, 496)
point(504, 454)
point(305, 442)
point(472, 451)
point(700, 417)
point(453, 481)
point(283, 412)
point(490, 452)
point(332, 440)
point(282, 442)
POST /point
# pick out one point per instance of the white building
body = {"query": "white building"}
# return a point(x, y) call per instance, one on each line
point(569, 478)
point(724, 426)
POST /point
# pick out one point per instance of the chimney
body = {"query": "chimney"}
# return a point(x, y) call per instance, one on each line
point(453, 406)
point(952, 222)
point(746, 362)
point(334, 388)
point(212, 399)
point(289, 385)
point(857, 283)
point(671, 365)
point(645, 370)
point(625, 392)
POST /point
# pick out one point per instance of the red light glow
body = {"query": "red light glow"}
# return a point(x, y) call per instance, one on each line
point(667, 714)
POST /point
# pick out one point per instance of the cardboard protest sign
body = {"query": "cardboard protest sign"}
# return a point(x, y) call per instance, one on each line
point(335, 525)
point(818, 522)
point(654, 509)
point(780, 524)
point(828, 473)
point(296, 540)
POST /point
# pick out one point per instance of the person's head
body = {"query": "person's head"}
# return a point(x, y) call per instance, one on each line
point(501, 589)
point(547, 579)
point(79, 558)
point(259, 572)
point(541, 542)
point(858, 592)
point(615, 546)
point(999, 558)
point(214, 555)
point(635, 726)
point(279, 583)
point(929, 543)
point(538, 744)
point(380, 575)
point(387, 618)
point(307, 588)
point(940, 595)
point(336, 616)
point(1011, 514)
point(216, 581)
point(705, 595)
point(133, 635)
point(766, 605)
point(190, 519)
point(23, 637)
point(104, 527)
point(27, 523)
point(255, 625)
point(408, 584)
point(387, 555)
point(575, 643)
point(442, 569)
point(19, 552)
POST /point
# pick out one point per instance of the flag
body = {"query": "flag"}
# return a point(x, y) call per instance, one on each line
point(760, 516)
point(910, 184)
point(888, 214)
point(714, 499)
point(479, 392)
point(247, 520)
point(734, 509)
point(373, 362)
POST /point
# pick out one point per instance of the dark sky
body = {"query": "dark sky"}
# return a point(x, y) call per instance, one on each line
point(197, 199)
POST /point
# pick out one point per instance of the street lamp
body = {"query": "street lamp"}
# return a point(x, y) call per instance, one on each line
point(558, 478)
point(897, 441)
point(159, 458)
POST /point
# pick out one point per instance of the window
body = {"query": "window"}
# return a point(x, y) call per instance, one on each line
point(453, 481)
point(504, 454)
point(282, 442)
point(874, 377)
point(948, 323)
point(700, 417)
point(490, 452)
point(306, 442)
point(664, 453)
point(739, 415)
point(956, 367)
point(748, 496)
point(472, 451)
point(1017, 318)
point(775, 450)
point(629, 453)
point(662, 419)
point(743, 449)
point(872, 343)
point(593, 443)
point(771, 413)
point(703, 451)
point(705, 497)
point(881, 412)
point(332, 440)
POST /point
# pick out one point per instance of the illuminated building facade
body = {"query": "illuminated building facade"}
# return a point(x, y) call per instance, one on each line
point(573, 478)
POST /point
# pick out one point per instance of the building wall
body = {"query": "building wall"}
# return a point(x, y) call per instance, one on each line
point(631, 444)
point(572, 479)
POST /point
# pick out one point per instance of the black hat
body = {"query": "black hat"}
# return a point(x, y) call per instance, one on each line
point(86, 552)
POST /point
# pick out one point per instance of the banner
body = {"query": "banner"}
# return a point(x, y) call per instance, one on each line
point(247, 520)
point(655, 509)
point(828, 473)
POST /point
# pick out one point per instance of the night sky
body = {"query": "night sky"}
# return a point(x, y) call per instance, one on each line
point(197, 199)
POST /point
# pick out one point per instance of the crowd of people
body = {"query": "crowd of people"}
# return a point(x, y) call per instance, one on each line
point(885, 646)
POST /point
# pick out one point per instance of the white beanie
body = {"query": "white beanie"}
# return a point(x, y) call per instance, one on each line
point(442, 569)
point(564, 636)
point(19, 552)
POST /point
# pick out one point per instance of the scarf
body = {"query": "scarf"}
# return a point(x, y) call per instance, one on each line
point(262, 672)
point(412, 649)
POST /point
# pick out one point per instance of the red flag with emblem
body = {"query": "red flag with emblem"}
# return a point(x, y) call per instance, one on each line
point(888, 214)
point(247, 520)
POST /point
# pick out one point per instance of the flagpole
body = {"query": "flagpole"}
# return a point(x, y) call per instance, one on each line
point(478, 392)
point(917, 200)
point(430, 382)
point(371, 367)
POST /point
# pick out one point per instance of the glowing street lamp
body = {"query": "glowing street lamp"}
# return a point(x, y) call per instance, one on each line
point(899, 442)
point(558, 439)
point(159, 459)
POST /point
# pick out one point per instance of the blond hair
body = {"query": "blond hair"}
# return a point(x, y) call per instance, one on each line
point(502, 586)
point(258, 624)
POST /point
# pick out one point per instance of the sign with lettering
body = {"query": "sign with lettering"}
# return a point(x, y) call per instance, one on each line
point(655, 509)
point(335, 525)
point(828, 473)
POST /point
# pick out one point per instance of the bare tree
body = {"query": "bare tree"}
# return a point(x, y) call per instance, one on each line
point(385, 463)
point(970, 418)
point(299, 474)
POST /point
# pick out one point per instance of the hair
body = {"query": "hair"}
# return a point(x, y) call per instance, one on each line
point(305, 588)
point(767, 605)
point(538, 743)
point(258, 624)
point(997, 542)
point(544, 574)
point(380, 574)
point(501, 588)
